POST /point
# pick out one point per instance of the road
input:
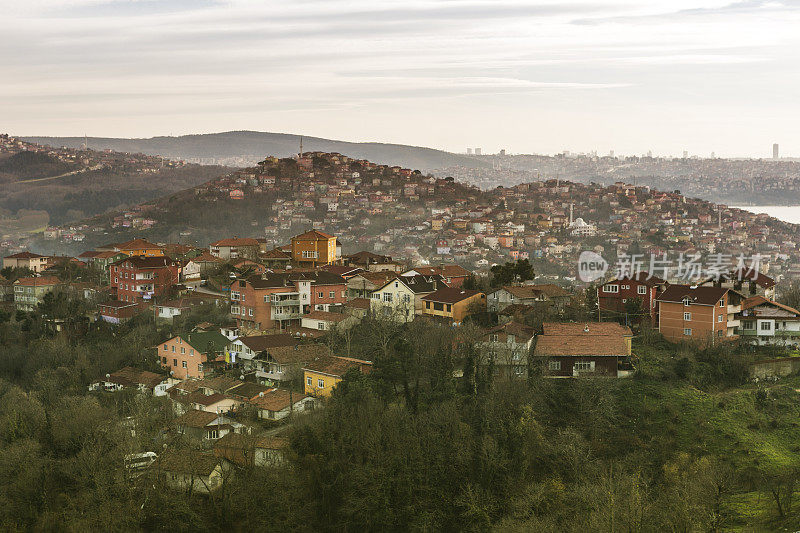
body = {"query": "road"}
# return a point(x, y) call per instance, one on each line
point(70, 173)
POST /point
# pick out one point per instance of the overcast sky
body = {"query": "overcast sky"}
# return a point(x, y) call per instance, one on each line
point(532, 77)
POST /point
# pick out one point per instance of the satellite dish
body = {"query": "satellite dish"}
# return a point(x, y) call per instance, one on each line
point(241, 376)
point(108, 376)
point(260, 394)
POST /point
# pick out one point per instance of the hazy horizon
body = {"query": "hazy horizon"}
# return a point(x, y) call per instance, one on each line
point(543, 77)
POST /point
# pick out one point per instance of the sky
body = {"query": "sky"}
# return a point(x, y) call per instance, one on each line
point(528, 77)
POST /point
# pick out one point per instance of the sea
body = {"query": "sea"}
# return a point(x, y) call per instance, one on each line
point(787, 213)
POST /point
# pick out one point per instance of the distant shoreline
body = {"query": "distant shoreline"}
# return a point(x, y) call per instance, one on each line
point(786, 213)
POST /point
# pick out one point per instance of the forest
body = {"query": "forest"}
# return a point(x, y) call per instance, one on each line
point(689, 443)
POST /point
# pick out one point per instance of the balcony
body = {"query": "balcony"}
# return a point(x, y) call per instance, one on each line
point(733, 309)
point(734, 323)
point(284, 301)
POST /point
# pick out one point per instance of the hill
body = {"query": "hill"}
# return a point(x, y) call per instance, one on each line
point(243, 148)
point(32, 165)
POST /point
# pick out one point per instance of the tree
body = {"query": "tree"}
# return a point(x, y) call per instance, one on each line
point(512, 272)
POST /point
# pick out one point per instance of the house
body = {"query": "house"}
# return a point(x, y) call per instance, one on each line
point(117, 312)
point(283, 364)
point(584, 349)
point(765, 321)
point(29, 292)
point(453, 304)
point(135, 247)
point(245, 348)
point(276, 258)
point(326, 321)
point(453, 275)
point(531, 295)
point(277, 404)
point(323, 374)
point(34, 262)
point(102, 260)
point(191, 471)
point(747, 282)
point(509, 345)
point(401, 298)
point(192, 355)
point(206, 262)
point(363, 284)
point(633, 293)
point(205, 426)
point(133, 378)
point(234, 248)
point(251, 450)
point(140, 279)
point(314, 248)
point(702, 314)
point(372, 262)
point(358, 308)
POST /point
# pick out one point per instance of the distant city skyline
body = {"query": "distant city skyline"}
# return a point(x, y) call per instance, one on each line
point(529, 77)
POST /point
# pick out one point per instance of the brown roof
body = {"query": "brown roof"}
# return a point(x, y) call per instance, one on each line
point(514, 328)
point(581, 345)
point(236, 242)
point(206, 257)
point(755, 301)
point(535, 291)
point(573, 329)
point(25, 255)
point(379, 278)
point(201, 399)
point(275, 253)
point(745, 274)
point(336, 366)
point(301, 353)
point(276, 399)
point(446, 271)
point(43, 281)
point(130, 376)
point(259, 343)
point(313, 235)
point(136, 244)
point(702, 295)
point(450, 295)
point(247, 390)
point(640, 277)
point(194, 418)
point(358, 303)
point(187, 461)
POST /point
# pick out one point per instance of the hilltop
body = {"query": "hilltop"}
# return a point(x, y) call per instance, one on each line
point(245, 148)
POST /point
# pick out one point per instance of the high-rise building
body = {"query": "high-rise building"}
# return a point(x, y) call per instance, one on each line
point(775, 153)
point(477, 151)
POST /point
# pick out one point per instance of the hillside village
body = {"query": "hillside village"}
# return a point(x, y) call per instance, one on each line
point(253, 333)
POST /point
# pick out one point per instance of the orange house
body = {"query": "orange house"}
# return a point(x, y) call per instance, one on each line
point(314, 248)
point(187, 356)
point(453, 303)
point(140, 247)
point(698, 313)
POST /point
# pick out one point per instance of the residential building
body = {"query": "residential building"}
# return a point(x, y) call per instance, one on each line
point(243, 349)
point(191, 471)
point(453, 304)
point(140, 279)
point(700, 314)
point(509, 345)
point(29, 292)
point(135, 247)
point(453, 275)
point(284, 364)
point(764, 322)
point(34, 262)
point(135, 379)
point(372, 262)
point(235, 248)
point(277, 404)
point(314, 248)
point(401, 298)
point(323, 374)
point(532, 295)
point(326, 321)
point(363, 284)
point(190, 356)
point(632, 294)
point(747, 282)
point(584, 349)
point(117, 311)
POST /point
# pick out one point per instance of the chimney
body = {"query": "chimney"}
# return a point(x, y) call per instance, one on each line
point(434, 284)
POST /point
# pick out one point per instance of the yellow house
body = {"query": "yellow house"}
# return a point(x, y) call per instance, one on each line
point(453, 303)
point(314, 248)
point(322, 375)
point(140, 247)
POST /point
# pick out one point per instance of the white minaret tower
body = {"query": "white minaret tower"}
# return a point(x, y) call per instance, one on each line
point(571, 205)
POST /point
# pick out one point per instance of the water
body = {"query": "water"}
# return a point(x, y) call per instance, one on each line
point(787, 213)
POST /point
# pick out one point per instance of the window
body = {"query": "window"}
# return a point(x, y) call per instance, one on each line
point(200, 367)
point(250, 312)
point(183, 350)
point(321, 383)
point(332, 294)
point(641, 289)
point(184, 365)
point(164, 360)
point(321, 325)
point(722, 303)
point(310, 254)
point(687, 300)
point(719, 333)
point(449, 308)
point(175, 362)
point(173, 349)
point(687, 316)
point(611, 288)
point(584, 366)
point(554, 365)
point(765, 326)
point(165, 347)
point(191, 351)
point(320, 295)
point(387, 297)
point(719, 318)
point(687, 332)
point(308, 381)
point(438, 306)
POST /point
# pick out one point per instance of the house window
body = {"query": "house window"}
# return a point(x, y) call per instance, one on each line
point(687, 301)
point(321, 383)
point(493, 337)
point(449, 308)
point(308, 381)
point(584, 366)
point(687, 316)
point(183, 350)
point(719, 318)
point(184, 365)
point(250, 312)
point(722, 303)
point(200, 367)
point(320, 295)
point(165, 347)
point(554, 365)
point(191, 351)
point(332, 294)
point(173, 348)
point(164, 360)
point(766, 326)
point(687, 332)
point(320, 325)
point(611, 288)
point(387, 297)
point(641, 289)
point(427, 305)
point(175, 362)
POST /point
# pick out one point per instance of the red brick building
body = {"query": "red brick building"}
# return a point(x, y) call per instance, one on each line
point(140, 279)
point(617, 296)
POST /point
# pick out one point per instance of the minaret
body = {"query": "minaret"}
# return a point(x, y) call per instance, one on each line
point(301, 148)
point(571, 205)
